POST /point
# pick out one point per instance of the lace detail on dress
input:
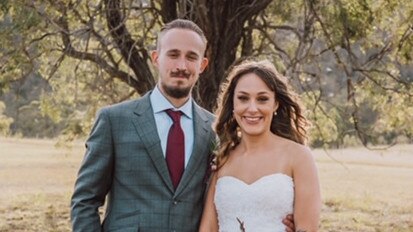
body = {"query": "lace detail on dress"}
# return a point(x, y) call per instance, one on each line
point(261, 206)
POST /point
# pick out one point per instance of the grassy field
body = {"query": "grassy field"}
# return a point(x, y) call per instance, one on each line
point(363, 190)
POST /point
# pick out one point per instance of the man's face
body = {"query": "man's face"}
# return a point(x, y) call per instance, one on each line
point(179, 59)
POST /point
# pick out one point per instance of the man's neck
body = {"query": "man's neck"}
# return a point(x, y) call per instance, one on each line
point(177, 102)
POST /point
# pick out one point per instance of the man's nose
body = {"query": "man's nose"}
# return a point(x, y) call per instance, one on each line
point(181, 64)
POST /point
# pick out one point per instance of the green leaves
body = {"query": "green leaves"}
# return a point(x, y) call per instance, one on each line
point(350, 60)
point(5, 121)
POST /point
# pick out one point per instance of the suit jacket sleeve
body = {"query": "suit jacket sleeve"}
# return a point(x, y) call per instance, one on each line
point(94, 177)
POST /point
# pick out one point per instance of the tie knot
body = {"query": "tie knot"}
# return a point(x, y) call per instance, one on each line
point(175, 115)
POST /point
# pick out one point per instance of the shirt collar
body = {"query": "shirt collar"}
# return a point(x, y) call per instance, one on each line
point(160, 103)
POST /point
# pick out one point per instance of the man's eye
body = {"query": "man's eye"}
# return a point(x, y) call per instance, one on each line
point(192, 58)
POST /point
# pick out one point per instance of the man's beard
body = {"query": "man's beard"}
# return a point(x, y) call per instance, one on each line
point(176, 92)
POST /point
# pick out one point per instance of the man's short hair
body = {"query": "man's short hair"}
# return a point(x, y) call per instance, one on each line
point(181, 24)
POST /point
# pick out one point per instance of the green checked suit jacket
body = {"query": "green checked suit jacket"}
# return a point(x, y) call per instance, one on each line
point(124, 164)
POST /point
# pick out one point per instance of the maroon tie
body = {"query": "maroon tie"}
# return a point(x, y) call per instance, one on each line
point(175, 148)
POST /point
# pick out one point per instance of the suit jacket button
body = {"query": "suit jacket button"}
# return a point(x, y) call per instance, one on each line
point(175, 202)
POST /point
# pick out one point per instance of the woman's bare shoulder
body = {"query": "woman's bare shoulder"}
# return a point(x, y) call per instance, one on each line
point(298, 152)
point(291, 145)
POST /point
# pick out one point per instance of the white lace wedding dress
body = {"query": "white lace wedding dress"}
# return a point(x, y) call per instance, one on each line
point(260, 206)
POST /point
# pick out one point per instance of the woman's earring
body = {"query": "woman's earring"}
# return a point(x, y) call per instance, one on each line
point(239, 132)
point(275, 113)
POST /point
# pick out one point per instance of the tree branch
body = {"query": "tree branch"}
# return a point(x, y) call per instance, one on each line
point(72, 52)
point(126, 45)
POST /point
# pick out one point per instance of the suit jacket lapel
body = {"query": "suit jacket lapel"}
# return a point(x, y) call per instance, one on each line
point(201, 130)
point(145, 125)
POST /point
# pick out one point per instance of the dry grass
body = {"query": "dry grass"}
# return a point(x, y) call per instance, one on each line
point(367, 190)
point(36, 181)
point(364, 191)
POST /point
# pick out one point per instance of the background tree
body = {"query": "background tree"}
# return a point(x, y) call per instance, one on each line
point(349, 59)
point(4, 120)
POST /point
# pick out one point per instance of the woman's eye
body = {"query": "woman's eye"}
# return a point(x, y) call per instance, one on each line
point(242, 98)
point(262, 99)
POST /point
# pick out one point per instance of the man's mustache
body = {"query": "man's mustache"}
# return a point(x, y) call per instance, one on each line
point(180, 73)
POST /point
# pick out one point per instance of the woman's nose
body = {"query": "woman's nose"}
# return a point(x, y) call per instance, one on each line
point(252, 106)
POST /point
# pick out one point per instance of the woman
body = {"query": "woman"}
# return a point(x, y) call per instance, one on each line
point(264, 170)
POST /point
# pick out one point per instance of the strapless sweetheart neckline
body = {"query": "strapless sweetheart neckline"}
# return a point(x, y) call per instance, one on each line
point(257, 180)
point(260, 205)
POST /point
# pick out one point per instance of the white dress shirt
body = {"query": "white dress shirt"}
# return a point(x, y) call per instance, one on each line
point(164, 122)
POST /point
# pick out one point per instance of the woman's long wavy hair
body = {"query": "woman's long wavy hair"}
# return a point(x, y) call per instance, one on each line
point(289, 121)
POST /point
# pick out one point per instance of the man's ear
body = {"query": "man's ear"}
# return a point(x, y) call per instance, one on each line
point(154, 57)
point(204, 64)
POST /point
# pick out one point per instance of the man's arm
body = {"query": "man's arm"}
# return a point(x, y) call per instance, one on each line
point(94, 177)
point(288, 221)
point(209, 220)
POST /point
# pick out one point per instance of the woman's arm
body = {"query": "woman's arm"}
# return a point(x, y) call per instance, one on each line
point(307, 200)
point(209, 221)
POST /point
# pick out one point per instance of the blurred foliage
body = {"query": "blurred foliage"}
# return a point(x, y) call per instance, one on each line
point(350, 60)
point(4, 121)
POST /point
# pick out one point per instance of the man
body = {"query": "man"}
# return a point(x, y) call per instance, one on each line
point(151, 182)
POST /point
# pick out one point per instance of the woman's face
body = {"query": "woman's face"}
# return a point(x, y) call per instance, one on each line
point(254, 105)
